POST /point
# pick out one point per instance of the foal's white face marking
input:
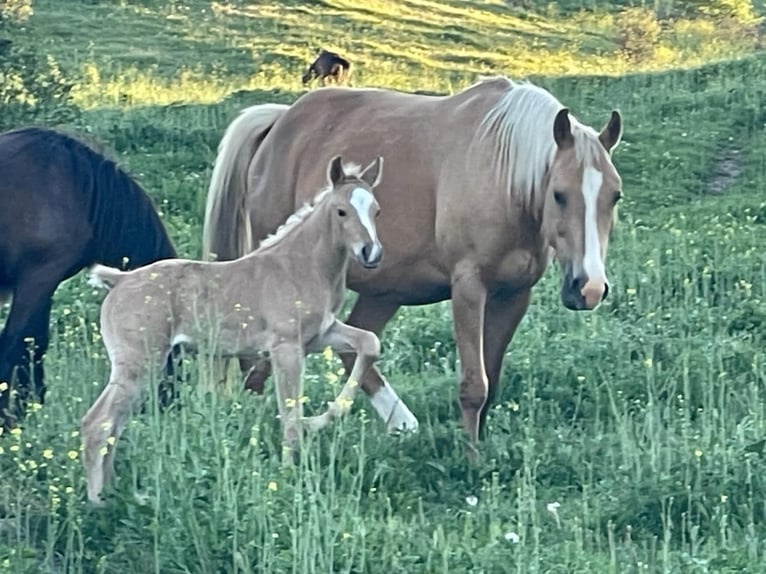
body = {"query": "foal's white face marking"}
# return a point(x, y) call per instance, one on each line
point(362, 200)
point(592, 263)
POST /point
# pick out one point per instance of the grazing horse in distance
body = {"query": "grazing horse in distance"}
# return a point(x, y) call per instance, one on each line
point(328, 65)
point(283, 298)
point(63, 207)
point(483, 189)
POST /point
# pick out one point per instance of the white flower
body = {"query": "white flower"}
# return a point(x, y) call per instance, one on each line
point(512, 537)
point(471, 500)
point(553, 507)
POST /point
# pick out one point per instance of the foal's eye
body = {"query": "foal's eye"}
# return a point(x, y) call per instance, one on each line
point(377, 213)
point(342, 212)
point(617, 197)
point(560, 198)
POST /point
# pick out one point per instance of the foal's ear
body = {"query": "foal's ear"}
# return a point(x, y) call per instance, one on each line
point(562, 129)
point(373, 172)
point(335, 171)
point(611, 135)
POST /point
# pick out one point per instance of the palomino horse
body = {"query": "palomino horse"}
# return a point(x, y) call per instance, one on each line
point(282, 298)
point(482, 188)
point(64, 206)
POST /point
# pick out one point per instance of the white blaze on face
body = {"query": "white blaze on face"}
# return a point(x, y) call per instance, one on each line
point(592, 263)
point(362, 200)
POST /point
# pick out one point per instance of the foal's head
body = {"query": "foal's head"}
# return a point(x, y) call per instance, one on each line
point(578, 214)
point(355, 208)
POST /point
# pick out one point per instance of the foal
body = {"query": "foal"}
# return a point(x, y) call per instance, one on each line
point(281, 298)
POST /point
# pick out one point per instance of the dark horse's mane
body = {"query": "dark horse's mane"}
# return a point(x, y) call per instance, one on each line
point(122, 216)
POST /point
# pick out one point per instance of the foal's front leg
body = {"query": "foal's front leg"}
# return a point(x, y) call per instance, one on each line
point(287, 360)
point(344, 338)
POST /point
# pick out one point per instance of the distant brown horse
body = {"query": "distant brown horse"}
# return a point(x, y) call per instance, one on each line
point(63, 206)
point(282, 298)
point(483, 188)
point(328, 65)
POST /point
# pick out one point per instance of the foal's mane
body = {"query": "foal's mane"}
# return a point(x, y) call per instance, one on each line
point(351, 170)
point(519, 126)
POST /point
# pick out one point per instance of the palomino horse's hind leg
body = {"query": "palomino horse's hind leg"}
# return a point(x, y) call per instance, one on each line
point(103, 424)
point(288, 360)
point(366, 345)
point(372, 314)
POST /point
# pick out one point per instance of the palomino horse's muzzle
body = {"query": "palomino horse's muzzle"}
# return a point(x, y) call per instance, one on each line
point(369, 255)
point(581, 293)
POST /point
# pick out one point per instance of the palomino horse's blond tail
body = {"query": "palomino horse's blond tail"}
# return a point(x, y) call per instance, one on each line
point(226, 233)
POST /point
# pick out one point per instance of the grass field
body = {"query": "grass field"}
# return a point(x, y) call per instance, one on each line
point(630, 439)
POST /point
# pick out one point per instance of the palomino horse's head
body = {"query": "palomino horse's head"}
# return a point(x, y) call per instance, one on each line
point(355, 209)
point(578, 213)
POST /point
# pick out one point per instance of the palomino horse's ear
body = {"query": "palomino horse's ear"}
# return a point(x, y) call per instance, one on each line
point(373, 172)
point(562, 129)
point(612, 133)
point(335, 171)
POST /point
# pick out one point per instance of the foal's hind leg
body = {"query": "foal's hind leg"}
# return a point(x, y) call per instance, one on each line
point(104, 422)
point(372, 315)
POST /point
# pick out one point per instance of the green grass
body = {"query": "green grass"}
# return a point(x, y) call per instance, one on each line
point(644, 421)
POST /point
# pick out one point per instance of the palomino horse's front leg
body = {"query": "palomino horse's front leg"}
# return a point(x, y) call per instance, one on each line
point(469, 296)
point(366, 345)
point(288, 360)
point(502, 316)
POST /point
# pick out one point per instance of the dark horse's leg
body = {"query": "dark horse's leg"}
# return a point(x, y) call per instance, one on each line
point(24, 342)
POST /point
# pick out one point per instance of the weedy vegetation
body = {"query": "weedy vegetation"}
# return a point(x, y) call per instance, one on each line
point(630, 439)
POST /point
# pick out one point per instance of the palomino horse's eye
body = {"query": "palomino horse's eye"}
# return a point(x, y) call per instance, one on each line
point(342, 212)
point(617, 197)
point(560, 198)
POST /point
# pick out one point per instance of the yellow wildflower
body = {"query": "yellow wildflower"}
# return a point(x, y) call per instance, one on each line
point(72, 454)
point(48, 453)
point(272, 486)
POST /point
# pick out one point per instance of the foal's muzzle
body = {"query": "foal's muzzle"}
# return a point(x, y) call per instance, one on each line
point(369, 255)
point(582, 293)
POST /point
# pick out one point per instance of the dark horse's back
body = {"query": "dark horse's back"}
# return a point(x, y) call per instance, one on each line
point(63, 206)
point(64, 203)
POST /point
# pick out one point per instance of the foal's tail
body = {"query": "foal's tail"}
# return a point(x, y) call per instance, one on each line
point(226, 233)
point(105, 277)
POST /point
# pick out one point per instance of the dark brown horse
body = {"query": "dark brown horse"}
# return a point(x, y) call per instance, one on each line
point(483, 189)
point(63, 206)
point(328, 65)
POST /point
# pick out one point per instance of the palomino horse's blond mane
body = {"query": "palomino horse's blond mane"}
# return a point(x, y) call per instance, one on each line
point(350, 169)
point(521, 127)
